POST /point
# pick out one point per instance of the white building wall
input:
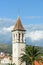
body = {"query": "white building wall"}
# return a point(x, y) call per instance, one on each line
point(17, 47)
point(15, 39)
point(17, 50)
point(5, 61)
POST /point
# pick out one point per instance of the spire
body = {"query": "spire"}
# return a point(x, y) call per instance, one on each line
point(18, 25)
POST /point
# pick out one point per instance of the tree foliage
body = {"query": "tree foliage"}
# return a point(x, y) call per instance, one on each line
point(31, 54)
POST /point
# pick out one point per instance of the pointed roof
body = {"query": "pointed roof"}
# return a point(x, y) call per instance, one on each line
point(18, 25)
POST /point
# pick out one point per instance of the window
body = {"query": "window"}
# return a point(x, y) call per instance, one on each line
point(22, 36)
point(16, 35)
point(19, 37)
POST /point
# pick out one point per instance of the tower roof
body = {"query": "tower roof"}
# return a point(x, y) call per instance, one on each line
point(18, 25)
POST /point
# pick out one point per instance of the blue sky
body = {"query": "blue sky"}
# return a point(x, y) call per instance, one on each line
point(31, 14)
point(24, 9)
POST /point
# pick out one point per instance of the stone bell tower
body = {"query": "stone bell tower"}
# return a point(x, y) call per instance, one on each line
point(18, 41)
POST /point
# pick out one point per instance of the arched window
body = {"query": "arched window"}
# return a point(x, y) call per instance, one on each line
point(19, 37)
point(16, 35)
point(22, 36)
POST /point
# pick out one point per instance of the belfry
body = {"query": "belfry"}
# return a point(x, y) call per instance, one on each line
point(18, 41)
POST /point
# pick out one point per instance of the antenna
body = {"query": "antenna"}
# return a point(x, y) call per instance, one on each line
point(18, 12)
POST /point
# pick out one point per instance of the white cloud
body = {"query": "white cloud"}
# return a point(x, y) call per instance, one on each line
point(35, 35)
point(33, 17)
point(0, 32)
point(6, 20)
point(7, 29)
point(33, 32)
point(34, 27)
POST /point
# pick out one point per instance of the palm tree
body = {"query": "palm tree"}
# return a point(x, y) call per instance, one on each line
point(31, 55)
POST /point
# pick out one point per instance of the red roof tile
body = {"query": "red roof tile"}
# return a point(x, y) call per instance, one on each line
point(36, 63)
point(18, 25)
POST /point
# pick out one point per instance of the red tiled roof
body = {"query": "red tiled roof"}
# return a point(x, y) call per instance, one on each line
point(36, 63)
point(18, 25)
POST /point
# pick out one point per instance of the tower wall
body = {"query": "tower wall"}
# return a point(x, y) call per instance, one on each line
point(17, 50)
point(18, 42)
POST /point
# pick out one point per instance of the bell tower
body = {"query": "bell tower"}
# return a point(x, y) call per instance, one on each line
point(18, 41)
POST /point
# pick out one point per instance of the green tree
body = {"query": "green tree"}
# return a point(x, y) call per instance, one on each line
point(31, 54)
point(11, 64)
